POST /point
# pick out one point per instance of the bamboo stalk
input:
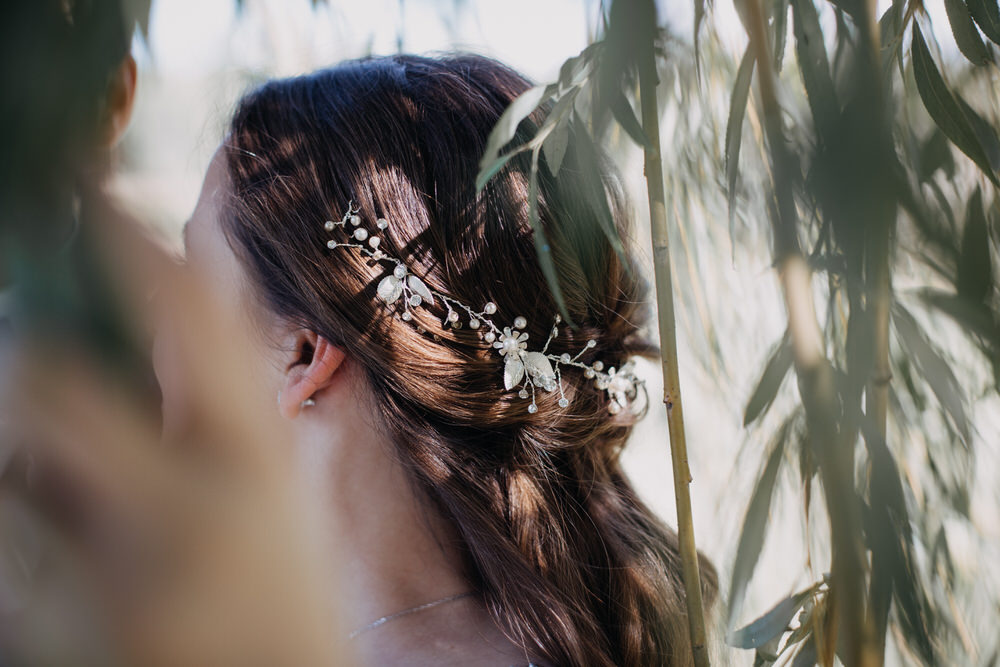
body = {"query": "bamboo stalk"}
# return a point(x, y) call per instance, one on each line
point(653, 168)
point(878, 283)
point(815, 378)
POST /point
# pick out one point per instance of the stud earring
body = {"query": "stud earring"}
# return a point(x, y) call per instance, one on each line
point(308, 403)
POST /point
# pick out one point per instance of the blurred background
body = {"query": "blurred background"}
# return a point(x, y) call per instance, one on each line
point(196, 57)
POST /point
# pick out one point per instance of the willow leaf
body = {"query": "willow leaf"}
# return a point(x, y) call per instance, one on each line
point(943, 108)
point(734, 126)
point(987, 16)
point(966, 34)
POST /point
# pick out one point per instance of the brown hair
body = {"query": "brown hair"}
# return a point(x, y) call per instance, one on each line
point(556, 540)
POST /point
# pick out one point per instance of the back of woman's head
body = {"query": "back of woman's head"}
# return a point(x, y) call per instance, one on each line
point(561, 549)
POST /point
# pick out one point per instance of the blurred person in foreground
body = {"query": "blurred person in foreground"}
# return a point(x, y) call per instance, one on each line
point(117, 547)
point(345, 477)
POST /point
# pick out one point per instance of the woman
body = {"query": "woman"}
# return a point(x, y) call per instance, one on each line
point(479, 523)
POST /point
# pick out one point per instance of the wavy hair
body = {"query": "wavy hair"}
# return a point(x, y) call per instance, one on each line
point(563, 552)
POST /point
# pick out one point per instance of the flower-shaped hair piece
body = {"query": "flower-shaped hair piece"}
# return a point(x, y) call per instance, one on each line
point(530, 369)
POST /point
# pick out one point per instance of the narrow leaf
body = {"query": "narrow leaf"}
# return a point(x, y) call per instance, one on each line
point(734, 126)
point(542, 247)
point(942, 106)
point(780, 32)
point(772, 624)
point(755, 524)
point(987, 16)
point(806, 657)
point(506, 128)
point(775, 371)
point(975, 274)
point(934, 369)
point(814, 66)
point(589, 165)
point(966, 35)
point(625, 116)
point(557, 140)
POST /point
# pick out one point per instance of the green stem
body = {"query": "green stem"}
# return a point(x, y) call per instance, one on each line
point(648, 81)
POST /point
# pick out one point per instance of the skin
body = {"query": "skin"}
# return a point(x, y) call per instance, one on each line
point(119, 102)
point(396, 552)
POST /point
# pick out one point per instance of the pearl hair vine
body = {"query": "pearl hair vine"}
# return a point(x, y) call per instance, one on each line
point(530, 369)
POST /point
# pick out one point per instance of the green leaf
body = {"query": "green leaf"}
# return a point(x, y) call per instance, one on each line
point(987, 15)
point(806, 657)
point(542, 247)
point(734, 126)
point(934, 369)
point(624, 114)
point(775, 371)
point(943, 108)
point(772, 624)
point(966, 35)
point(814, 66)
point(572, 67)
point(506, 128)
point(485, 174)
point(755, 524)
point(975, 273)
point(935, 153)
point(984, 131)
point(780, 20)
point(589, 165)
point(974, 317)
point(557, 139)
point(555, 147)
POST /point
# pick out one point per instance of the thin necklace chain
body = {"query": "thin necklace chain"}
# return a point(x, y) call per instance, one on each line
point(384, 619)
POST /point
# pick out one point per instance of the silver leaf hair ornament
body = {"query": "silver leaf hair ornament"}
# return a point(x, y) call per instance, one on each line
point(530, 369)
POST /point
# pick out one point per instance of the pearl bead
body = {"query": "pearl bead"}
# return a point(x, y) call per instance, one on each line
point(563, 402)
point(598, 365)
point(374, 241)
point(382, 223)
point(565, 358)
point(473, 324)
point(399, 271)
point(453, 316)
point(360, 234)
point(328, 225)
point(407, 316)
point(591, 343)
point(589, 373)
point(520, 322)
point(614, 408)
point(532, 408)
point(331, 244)
point(490, 337)
point(490, 307)
point(415, 300)
point(355, 220)
point(523, 393)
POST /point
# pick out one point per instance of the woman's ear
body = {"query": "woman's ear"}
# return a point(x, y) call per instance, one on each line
point(119, 101)
point(313, 368)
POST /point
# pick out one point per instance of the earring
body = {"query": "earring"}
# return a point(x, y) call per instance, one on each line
point(308, 403)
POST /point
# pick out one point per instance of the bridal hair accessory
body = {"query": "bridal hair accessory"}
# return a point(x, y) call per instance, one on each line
point(530, 369)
